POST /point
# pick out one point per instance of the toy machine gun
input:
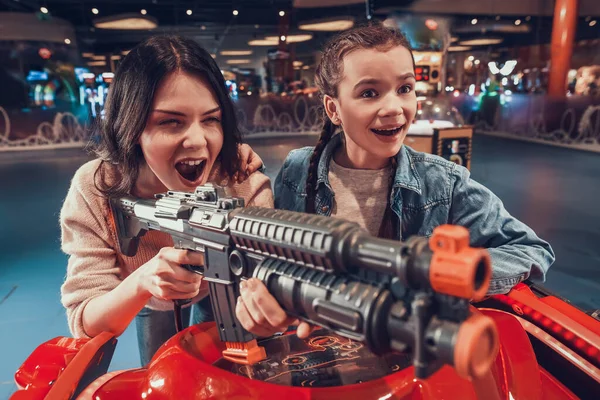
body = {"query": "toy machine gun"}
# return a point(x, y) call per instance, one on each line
point(408, 296)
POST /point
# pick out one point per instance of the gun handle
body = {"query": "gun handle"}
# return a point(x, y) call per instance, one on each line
point(181, 302)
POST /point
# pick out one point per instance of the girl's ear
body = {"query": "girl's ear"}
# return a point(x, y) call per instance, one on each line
point(331, 109)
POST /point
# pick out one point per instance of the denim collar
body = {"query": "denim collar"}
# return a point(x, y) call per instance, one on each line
point(406, 174)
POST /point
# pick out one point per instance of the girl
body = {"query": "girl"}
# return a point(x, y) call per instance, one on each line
point(169, 125)
point(365, 174)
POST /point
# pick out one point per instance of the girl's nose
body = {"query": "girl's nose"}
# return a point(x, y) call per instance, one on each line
point(391, 106)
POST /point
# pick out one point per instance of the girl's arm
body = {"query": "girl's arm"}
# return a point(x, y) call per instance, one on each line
point(517, 252)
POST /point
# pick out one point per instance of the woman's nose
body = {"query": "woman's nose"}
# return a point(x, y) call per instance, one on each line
point(194, 137)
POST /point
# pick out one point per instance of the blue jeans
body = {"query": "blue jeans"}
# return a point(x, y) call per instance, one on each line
point(156, 327)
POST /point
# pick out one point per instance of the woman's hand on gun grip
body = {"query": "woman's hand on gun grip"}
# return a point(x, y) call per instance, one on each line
point(250, 162)
point(259, 313)
point(165, 278)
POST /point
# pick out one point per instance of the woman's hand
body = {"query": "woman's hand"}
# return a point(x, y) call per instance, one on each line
point(260, 314)
point(250, 162)
point(164, 277)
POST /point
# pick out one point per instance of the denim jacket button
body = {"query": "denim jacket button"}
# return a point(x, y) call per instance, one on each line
point(325, 209)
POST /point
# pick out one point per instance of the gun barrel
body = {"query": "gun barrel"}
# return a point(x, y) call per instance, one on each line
point(330, 244)
point(368, 313)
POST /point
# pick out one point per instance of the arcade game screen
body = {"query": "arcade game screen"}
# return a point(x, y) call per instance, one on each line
point(323, 359)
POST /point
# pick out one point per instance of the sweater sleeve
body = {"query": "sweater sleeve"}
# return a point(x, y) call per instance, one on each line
point(92, 268)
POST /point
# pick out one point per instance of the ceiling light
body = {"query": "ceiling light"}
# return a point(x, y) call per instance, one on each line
point(203, 27)
point(281, 13)
point(454, 39)
point(297, 63)
point(87, 54)
point(476, 62)
point(143, 12)
point(95, 11)
point(328, 25)
point(127, 21)
point(474, 21)
point(282, 38)
point(44, 10)
point(592, 22)
point(235, 12)
point(96, 63)
point(305, 67)
point(67, 41)
point(115, 57)
point(518, 22)
point(189, 12)
point(238, 61)
point(459, 48)
point(236, 52)
point(471, 58)
point(263, 42)
point(481, 41)
point(302, 37)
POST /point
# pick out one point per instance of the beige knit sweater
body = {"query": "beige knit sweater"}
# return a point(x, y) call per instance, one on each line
point(95, 264)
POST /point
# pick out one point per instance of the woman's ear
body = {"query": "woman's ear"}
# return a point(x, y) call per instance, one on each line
point(331, 108)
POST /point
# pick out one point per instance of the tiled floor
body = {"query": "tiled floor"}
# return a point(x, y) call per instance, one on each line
point(554, 190)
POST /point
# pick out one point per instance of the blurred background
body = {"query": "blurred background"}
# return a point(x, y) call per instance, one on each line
point(509, 89)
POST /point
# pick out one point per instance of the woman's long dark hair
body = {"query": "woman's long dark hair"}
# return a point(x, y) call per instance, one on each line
point(328, 75)
point(129, 103)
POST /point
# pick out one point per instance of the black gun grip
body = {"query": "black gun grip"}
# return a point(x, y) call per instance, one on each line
point(197, 269)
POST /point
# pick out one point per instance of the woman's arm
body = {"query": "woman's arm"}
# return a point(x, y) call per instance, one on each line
point(95, 296)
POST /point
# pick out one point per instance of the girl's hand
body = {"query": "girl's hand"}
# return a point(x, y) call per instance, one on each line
point(250, 162)
point(260, 314)
point(164, 277)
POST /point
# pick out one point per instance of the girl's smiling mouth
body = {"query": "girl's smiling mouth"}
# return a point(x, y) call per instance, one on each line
point(388, 130)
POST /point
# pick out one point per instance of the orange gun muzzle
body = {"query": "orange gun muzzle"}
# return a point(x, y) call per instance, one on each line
point(476, 347)
point(457, 269)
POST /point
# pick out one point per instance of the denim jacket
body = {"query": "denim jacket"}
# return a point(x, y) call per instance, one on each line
point(429, 191)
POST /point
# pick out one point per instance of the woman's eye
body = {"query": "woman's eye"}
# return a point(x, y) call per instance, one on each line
point(367, 94)
point(212, 119)
point(405, 89)
point(169, 122)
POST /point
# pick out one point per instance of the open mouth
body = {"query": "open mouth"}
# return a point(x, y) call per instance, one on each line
point(389, 131)
point(190, 170)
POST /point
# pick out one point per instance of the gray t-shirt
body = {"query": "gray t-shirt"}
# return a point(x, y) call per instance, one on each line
point(360, 194)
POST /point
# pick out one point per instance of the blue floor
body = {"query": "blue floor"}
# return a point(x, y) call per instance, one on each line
point(554, 190)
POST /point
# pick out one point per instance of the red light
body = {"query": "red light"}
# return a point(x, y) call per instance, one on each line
point(592, 351)
point(431, 24)
point(45, 53)
point(537, 316)
point(556, 328)
point(580, 344)
point(418, 70)
point(569, 335)
point(527, 310)
point(547, 322)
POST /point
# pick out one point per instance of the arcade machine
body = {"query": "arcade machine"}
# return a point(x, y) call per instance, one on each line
point(42, 89)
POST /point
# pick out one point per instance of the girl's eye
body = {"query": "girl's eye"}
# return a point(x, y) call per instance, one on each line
point(368, 94)
point(405, 89)
point(170, 122)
